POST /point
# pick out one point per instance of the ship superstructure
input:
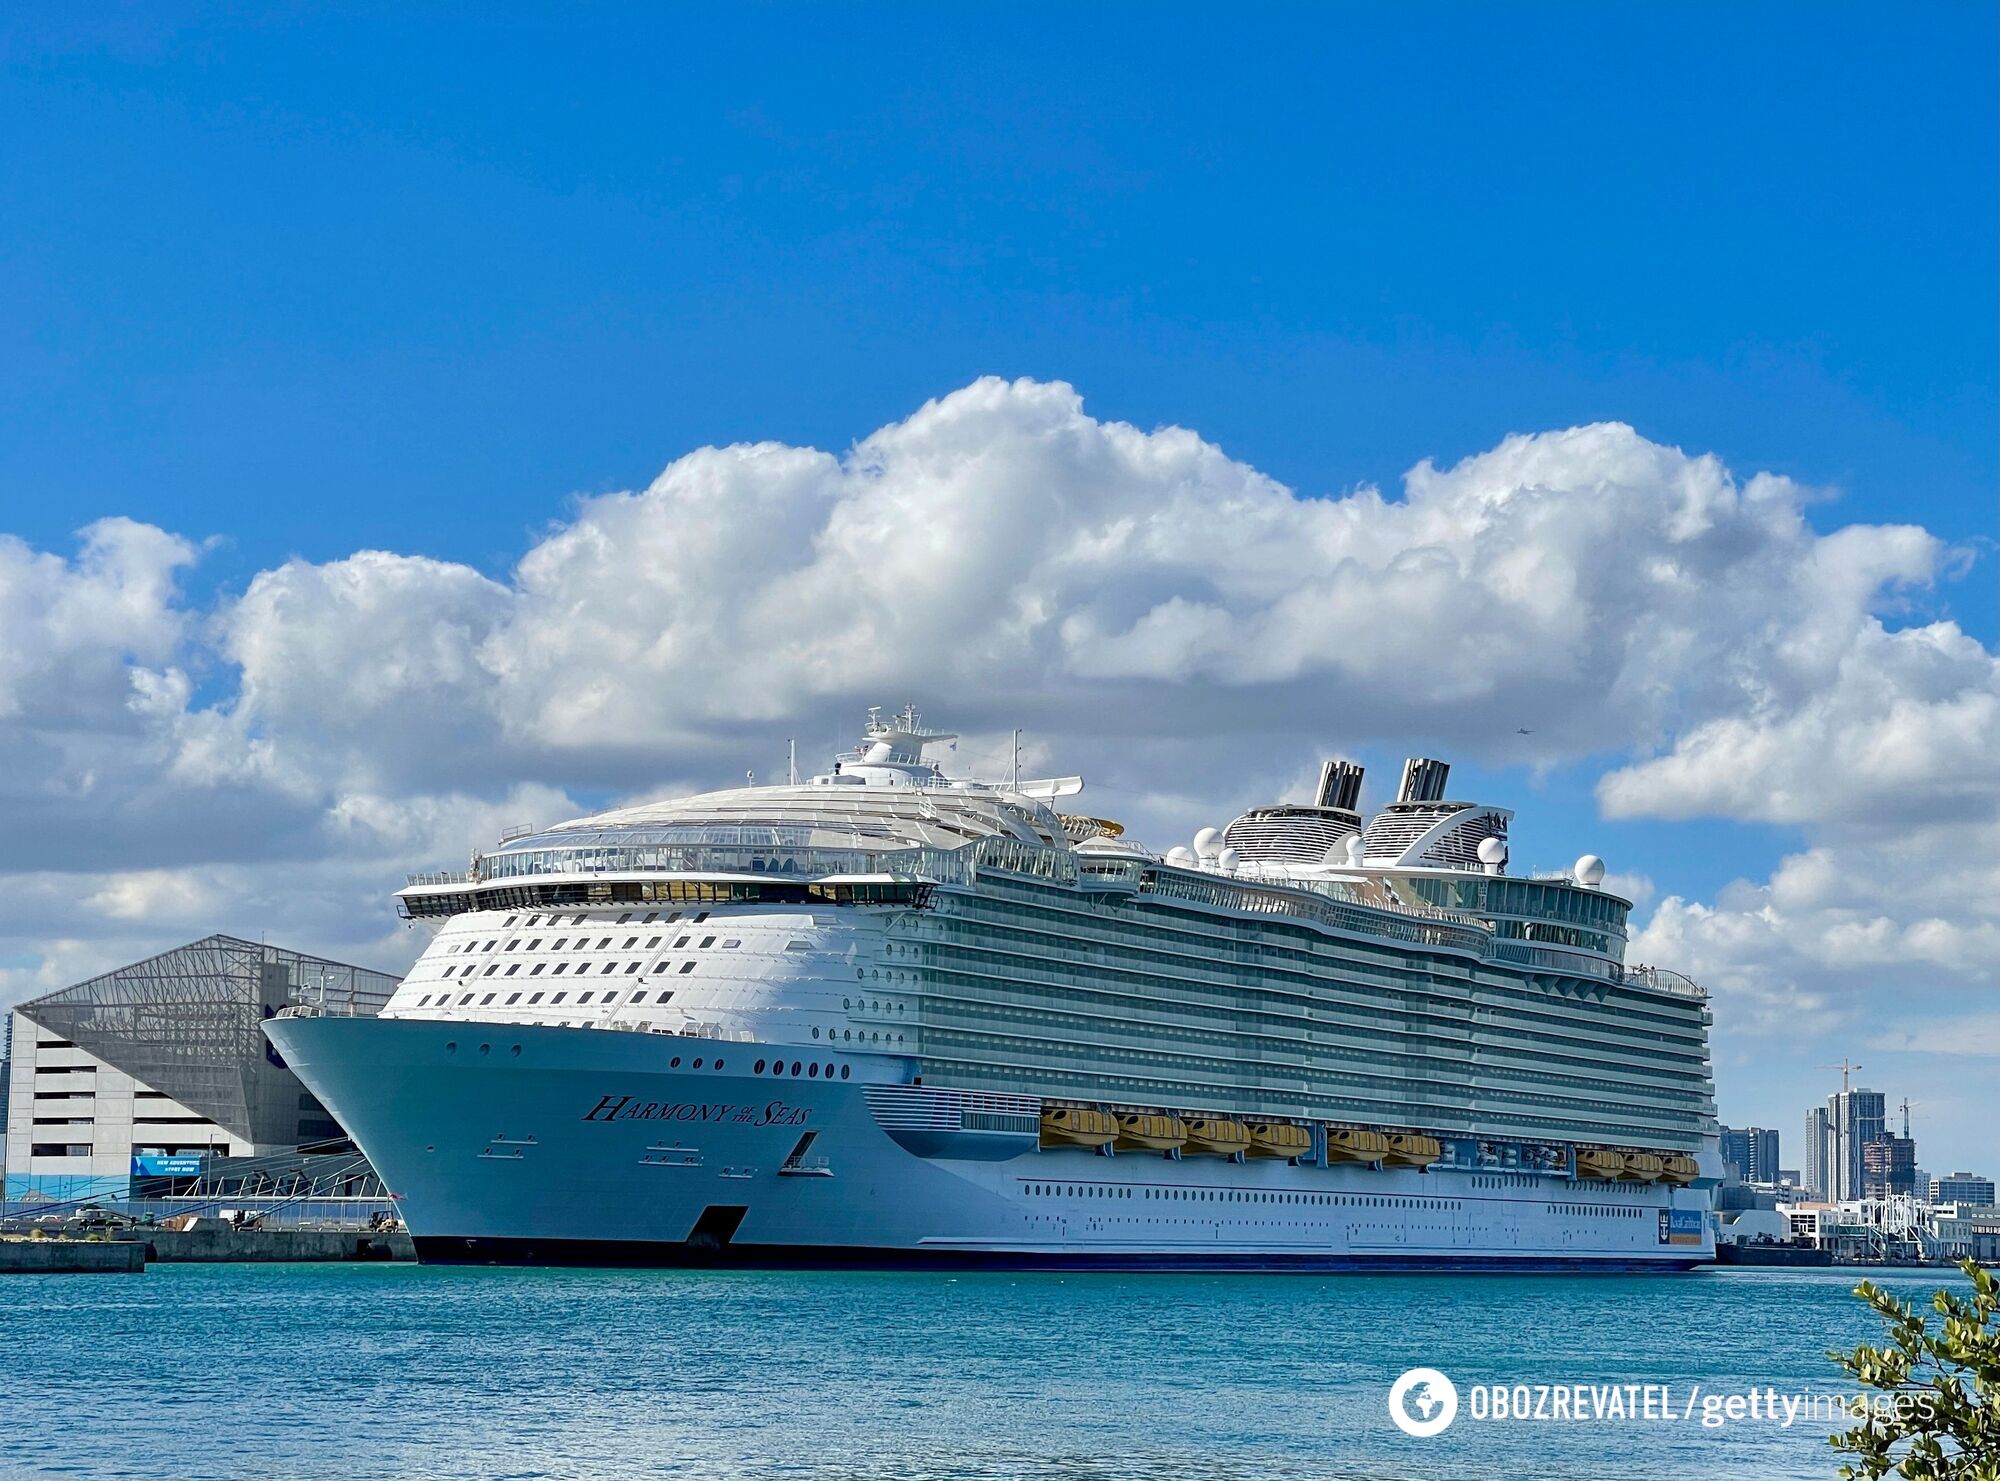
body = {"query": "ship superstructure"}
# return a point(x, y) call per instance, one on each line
point(890, 1016)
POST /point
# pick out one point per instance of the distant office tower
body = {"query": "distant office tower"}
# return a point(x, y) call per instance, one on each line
point(1819, 1140)
point(1962, 1187)
point(1754, 1151)
point(1853, 1119)
point(1888, 1166)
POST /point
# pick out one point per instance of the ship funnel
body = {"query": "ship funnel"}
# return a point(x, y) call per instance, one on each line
point(1423, 780)
point(1339, 786)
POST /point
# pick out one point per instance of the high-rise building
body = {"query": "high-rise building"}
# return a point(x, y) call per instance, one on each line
point(1962, 1187)
point(145, 1071)
point(1816, 1172)
point(1754, 1152)
point(1853, 1119)
point(1888, 1166)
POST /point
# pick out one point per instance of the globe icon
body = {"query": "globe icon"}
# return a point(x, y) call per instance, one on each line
point(1423, 1402)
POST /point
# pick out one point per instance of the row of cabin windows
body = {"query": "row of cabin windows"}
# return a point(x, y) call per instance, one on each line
point(811, 1071)
point(1226, 1195)
point(1620, 1210)
point(583, 944)
point(610, 998)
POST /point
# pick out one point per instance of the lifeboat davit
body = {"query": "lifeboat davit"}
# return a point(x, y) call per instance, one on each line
point(1409, 1149)
point(1141, 1131)
point(1642, 1167)
point(1351, 1144)
point(1592, 1163)
point(1077, 1126)
point(1679, 1169)
point(1279, 1139)
point(1214, 1136)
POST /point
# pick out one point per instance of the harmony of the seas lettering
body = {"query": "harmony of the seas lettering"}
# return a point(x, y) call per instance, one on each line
point(631, 1108)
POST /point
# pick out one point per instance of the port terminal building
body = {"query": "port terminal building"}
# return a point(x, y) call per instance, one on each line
point(155, 1080)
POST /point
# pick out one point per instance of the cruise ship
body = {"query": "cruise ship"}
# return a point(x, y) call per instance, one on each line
point(887, 1017)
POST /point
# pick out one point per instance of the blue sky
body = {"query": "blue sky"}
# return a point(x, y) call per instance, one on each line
point(301, 281)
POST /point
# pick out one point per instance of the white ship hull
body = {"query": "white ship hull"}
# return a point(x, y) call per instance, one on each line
point(527, 1144)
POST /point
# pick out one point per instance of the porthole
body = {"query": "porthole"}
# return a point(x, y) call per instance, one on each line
point(760, 1067)
point(812, 1072)
point(485, 1048)
point(796, 1066)
point(844, 1071)
point(718, 1064)
point(674, 1063)
point(829, 1072)
point(815, 1033)
point(451, 1046)
point(697, 1064)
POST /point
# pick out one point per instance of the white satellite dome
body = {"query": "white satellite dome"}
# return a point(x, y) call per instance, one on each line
point(1589, 871)
point(1492, 851)
point(1180, 854)
point(1227, 859)
point(1207, 842)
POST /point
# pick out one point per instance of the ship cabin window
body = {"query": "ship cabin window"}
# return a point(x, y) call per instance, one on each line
point(513, 969)
point(557, 998)
point(534, 999)
point(490, 945)
point(700, 917)
point(583, 998)
point(576, 920)
point(511, 919)
point(464, 1000)
point(609, 968)
point(536, 970)
point(708, 941)
point(630, 942)
point(624, 918)
point(731, 945)
point(605, 944)
point(611, 997)
point(686, 967)
point(488, 998)
point(640, 996)
point(631, 968)
point(490, 970)
point(561, 942)
point(682, 942)
point(651, 916)
point(536, 944)
point(511, 945)
point(798, 946)
point(652, 943)
point(561, 967)
point(513, 1000)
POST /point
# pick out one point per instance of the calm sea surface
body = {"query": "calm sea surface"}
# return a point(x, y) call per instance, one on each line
point(372, 1370)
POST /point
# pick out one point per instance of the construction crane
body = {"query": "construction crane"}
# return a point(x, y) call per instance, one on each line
point(1845, 1069)
point(1905, 1109)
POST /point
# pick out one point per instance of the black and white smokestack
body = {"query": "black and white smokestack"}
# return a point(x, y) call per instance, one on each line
point(1423, 780)
point(1339, 786)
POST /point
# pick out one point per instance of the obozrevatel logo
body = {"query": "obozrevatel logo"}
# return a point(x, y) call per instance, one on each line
point(1423, 1402)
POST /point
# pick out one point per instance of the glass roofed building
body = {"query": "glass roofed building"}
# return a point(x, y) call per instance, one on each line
point(145, 1070)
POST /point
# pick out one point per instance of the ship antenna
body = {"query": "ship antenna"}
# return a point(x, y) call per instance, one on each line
point(1015, 783)
point(792, 753)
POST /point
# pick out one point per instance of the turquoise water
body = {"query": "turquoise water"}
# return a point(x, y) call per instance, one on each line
point(373, 1370)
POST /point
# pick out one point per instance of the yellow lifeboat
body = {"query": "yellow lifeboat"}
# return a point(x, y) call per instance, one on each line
point(1350, 1144)
point(1408, 1149)
point(1641, 1167)
point(1279, 1139)
point(1077, 1126)
point(1678, 1169)
point(1593, 1163)
point(1148, 1132)
point(1215, 1136)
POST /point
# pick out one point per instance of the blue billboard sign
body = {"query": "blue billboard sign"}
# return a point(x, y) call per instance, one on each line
point(1681, 1225)
point(144, 1166)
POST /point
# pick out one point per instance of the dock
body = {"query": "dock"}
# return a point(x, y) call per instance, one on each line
point(221, 1245)
point(70, 1257)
